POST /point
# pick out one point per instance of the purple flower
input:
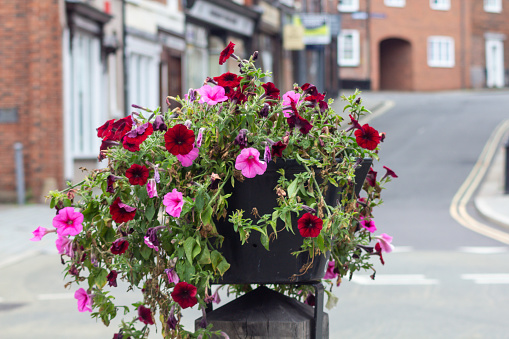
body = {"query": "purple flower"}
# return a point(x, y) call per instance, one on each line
point(241, 138)
point(39, 233)
point(159, 124)
point(152, 188)
point(248, 161)
point(68, 221)
point(84, 300)
point(151, 239)
point(112, 278)
point(330, 274)
point(172, 275)
point(266, 155)
point(199, 138)
point(64, 246)
point(172, 321)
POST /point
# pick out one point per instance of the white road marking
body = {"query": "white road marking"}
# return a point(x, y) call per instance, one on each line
point(1, 300)
point(394, 279)
point(483, 250)
point(55, 296)
point(399, 249)
point(487, 278)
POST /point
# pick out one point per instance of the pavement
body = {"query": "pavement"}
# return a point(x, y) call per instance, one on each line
point(18, 221)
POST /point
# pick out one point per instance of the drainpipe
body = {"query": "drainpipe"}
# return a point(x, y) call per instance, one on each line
point(368, 42)
point(20, 172)
point(124, 63)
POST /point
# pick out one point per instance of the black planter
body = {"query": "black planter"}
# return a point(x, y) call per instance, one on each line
point(251, 263)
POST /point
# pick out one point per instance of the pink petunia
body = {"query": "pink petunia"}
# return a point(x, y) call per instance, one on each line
point(173, 277)
point(212, 95)
point(248, 161)
point(68, 222)
point(64, 246)
point(150, 244)
point(368, 224)
point(330, 274)
point(288, 98)
point(174, 202)
point(187, 159)
point(385, 242)
point(39, 233)
point(152, 188)
point(84, 300)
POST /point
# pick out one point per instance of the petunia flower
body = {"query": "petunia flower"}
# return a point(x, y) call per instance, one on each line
point(173, 277)
point(112, 278)
point(109, 181)
point(226, 53)
point(84, 300)
point(248, 161)
point(151, 239)
point(115, 130)
point(354, 124)
point(310, 299)
point(277, 149)
point(289, 98)
point(309, 225)
point(330, 273)
point(367, 137)
point(367, 224)
point(271, 91)
point(121, 212)
point(388, 173)
point(185, 294)
point(228, 80)
point(119, 246)
point(137, 174)
point(174, 202)
point(152, 188)
point(297, 121)
point(64, 246)
point(38, 233)
point(385, 242)
point(172, 320)
point(241, 138)
point(159, 124)
point(371, 177)
point(179, 140)
point(187, 159)
point(378, 249)
point(133, 139)
point(264, 112)
point(145, 315)
point(199, 138)
point(212, 95)
point(267, 154)
point(68, 221)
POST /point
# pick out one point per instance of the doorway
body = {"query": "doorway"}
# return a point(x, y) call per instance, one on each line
point(494, 63)
point(396, 65)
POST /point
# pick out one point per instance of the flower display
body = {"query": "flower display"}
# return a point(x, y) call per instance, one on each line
point(153, 216)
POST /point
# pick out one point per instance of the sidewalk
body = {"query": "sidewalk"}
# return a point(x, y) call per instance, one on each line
point(17, 222)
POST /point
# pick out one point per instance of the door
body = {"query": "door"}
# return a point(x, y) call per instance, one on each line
point(494, 63)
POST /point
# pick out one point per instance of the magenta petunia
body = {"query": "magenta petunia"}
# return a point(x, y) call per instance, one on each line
point(309, 225)
point(384, 242)
point(289, 98)
point(212, 95)
point(84, 300)
point(174, 202)
point(68, 221)
point(248, 161)
point(187, 159)
point(173, 277)
point(38, 233)
point(64, 246)
point(368, 224)
point(330, 273)
point(152, 188)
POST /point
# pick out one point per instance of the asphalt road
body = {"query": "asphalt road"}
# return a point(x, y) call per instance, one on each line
point(444, 281)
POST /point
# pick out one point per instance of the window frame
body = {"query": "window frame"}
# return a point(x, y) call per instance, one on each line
point(490, 7)
point(434, 58)
point(354, 61)
point(395, 3)
point(440, 5)
point(353, 6)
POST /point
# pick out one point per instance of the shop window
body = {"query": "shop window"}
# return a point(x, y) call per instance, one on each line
point(440, 51)
point(440, 5)
point(349, 48)
point(493, 6)
point(348, 5)
point(395, 3)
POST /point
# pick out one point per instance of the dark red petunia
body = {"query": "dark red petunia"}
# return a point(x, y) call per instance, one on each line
point(106, 144)
point(310, 225)
point(184, 294)
point(133, 139)
point(271, 91)
point(226, 53)
point(119, 246)
point(378, 250)
point(228, 80)
point(179, 140)
point(389, 173)
point(367, 137)
point(315, 98)
point(121, 212)
point(112, 278)
point(354, 124)
point(277, 149)
point(104, 130)
point(299, 122)
point(159, 124)
point(371, 177)
point(115, 130)
point(137, 174)
point(145, 315)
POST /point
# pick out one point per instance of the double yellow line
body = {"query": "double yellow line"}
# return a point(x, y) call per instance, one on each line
point(458, 209)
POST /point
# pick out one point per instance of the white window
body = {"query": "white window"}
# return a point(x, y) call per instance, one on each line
point(493, 6)
point(440, 5)
point(348, 48)
point(395, 3)
point(348, 5)
point(440, 51)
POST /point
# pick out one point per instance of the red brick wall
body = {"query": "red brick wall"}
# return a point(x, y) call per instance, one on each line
point(31, 81)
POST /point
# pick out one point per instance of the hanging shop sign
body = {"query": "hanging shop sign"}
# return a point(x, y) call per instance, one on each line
point(316, 28)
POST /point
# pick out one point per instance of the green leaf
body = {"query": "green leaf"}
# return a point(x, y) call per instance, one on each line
point(206, 215)
point(292, 189)
point(216, 258)
point(223, 266)
point(146, 252)
point(265, 241)
point(196, 249)
point(199, 200)
point(150, 210)
point(320, 242)
point(101, 278)
point(204, 258)
point(188, 247)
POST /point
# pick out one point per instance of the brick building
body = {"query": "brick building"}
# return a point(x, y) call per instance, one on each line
point(423, 45)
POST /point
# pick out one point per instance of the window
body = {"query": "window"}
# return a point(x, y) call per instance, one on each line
point(395, 3)
point(493, 6)
point(440, 51)
point(348, 48)
point(348, 5)
point(440, 5)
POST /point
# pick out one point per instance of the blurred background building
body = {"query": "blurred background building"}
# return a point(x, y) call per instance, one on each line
point(66, 66)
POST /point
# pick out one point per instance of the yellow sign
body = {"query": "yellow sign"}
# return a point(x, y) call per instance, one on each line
point(293, 37)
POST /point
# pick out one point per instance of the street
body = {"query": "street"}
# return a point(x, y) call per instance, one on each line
point(442, 281)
